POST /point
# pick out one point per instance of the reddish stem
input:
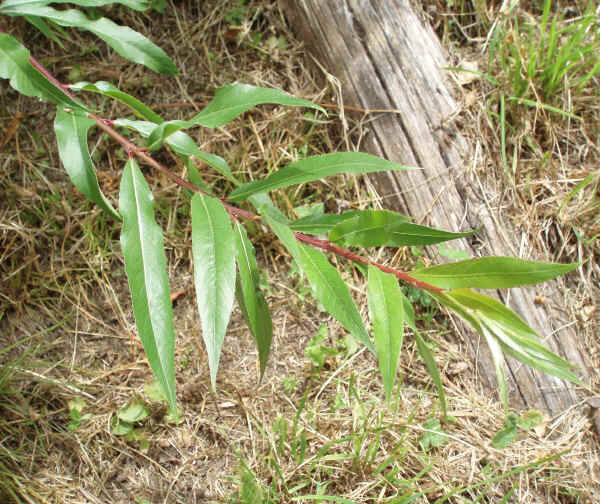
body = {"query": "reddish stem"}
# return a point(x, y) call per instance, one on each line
point(330, 247)
point(132, 149)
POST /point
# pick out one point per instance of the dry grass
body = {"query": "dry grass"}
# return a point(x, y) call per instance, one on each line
point(67, 330)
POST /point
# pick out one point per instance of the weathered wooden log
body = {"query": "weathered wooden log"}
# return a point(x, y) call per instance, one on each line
point(386, 57)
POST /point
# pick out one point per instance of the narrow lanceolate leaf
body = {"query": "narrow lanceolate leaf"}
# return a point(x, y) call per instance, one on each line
point(182, 144)
point(433, 370)
point(193, 175)
point(321, 224)
point(229, 102)
point(315, 168)
point(125, 41)
point(326, 283)
point(146, 268)
point(233, 100)
point(498, 359)
point(514, 336)
point(252, 303)
point(71, 130)
point(491, 273)
point(213, 251)
point(43, 27)
point(377, 228)
point(139, 5)
point(24, 78)
point(107, 89)
point(368, 228)
point(386, 310)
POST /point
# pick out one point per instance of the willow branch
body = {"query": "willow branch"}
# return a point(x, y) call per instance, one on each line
point(107, 126)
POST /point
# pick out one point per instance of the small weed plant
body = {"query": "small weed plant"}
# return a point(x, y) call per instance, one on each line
point(225, 266)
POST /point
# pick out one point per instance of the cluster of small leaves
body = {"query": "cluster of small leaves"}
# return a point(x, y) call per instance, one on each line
point(225, 266)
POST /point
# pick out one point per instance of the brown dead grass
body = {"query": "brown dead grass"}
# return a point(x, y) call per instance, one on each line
point(65, 308)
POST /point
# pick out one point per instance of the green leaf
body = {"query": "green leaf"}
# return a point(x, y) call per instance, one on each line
point(229, 102)
point(377, 228)
point(508, 434)
point(134, 412)
point(24, 78)
point(452, 254)
point(158, 5)
point(43, 27)
point(315, 168)
point(71, 130)
point(182, 144)
point(434, 435)
point(386, 309)
point(316, 350)
point(154, 391)
point(120, 428)
point(233, 100)
point(253, 304)
point(323, 223)
point(530, 419)
point(213, 251)
point(107, 89)
point(433, 370)
point(368, 228)
point(498, 359)
point(125, 41)
point(139, 5)
point(491, 273)
point(146, 268)
point(76, 405)
point(325, 281)
point(194, 176)
point(514, 336)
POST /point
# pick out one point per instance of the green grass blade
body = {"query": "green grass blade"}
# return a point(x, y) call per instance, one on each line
point(323, 497)
point(71, 130)
point(538, 464)
point(483, 75)
point(587, 180)
point(213, 251)
point(146, 268)
point(386, 311)
point(24, 78)
point(549, 108)
point(491, 273)
point(125, 41)
point(315, 168)
point(252, 302)
point(503, 136)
